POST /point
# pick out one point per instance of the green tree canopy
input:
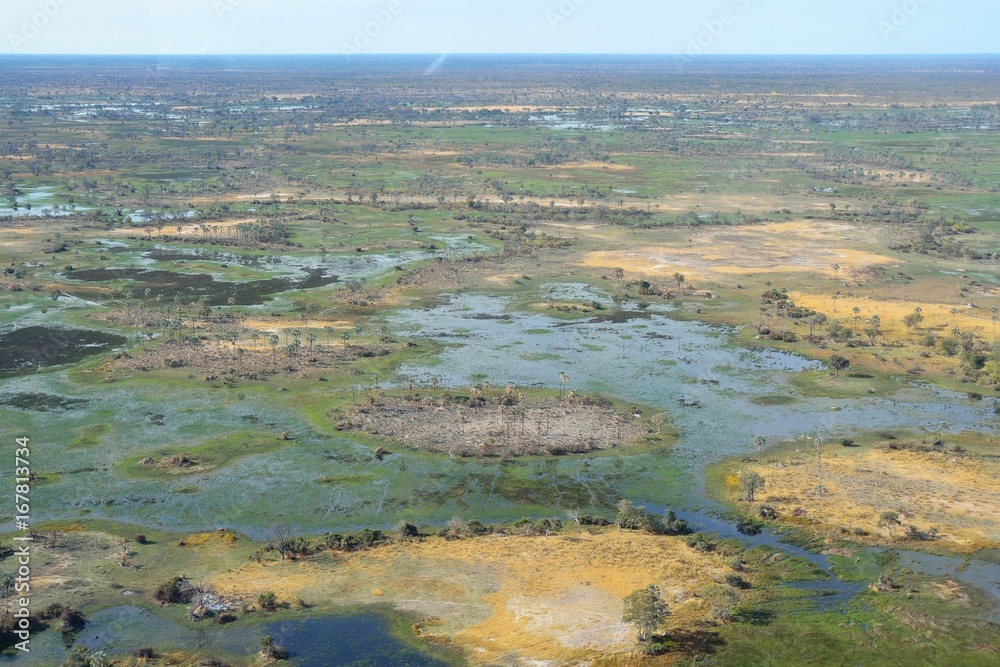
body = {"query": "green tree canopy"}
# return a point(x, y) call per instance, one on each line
point(646, 610)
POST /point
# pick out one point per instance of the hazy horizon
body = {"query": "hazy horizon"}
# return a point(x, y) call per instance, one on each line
point(514, 27)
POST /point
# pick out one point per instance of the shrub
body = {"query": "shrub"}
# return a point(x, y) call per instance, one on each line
point(546, 526)
point(476, 527)
point(407, 529)
point(175, 591)
point(267, 601)
point(699, 543)
point(748, 526)
point(140, 539)
point(588, 520)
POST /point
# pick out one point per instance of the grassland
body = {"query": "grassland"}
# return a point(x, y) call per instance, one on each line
point(940, 489)
point(340, 301)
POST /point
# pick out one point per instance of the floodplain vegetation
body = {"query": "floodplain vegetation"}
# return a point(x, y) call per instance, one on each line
point(204, 271)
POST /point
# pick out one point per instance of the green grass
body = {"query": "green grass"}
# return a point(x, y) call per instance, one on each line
point(845, 385)
point(211, 454)
point(90, 435)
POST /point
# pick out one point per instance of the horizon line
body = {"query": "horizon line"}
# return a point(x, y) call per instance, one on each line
point(510, 53)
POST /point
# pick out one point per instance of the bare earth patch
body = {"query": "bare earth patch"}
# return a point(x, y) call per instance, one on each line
point(495, 426)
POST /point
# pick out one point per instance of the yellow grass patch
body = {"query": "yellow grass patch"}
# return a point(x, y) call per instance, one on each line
point(543, 598)
point(610, 166)
point(958, 496)
point(201, 539)
point(722, 253)
point(937, 316)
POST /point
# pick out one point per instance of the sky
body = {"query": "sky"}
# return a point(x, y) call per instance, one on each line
point(499, 26)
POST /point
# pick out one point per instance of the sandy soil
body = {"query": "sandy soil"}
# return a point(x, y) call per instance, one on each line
point(529, 426)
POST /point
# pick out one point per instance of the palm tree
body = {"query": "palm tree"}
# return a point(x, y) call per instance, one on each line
point(759, 442)
point(563, 379)
point(857, 314)
point(311, 337)
point(274, 340)
point(346, 336)
point(328, 330)
point(679, 277)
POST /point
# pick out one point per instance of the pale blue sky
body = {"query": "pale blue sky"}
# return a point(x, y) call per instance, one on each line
point(500, 26)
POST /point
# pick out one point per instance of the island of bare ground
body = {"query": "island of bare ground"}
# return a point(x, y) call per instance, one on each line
point(509, 424)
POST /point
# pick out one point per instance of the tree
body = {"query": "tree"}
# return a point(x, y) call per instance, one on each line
point(646, 610)
point(751, 483)
point(913, 319)
point(838, 363)
point(814, 321)
point(679, 277)
point(279, 538)
point(629, 515)
point(563, 379)
point(759, 442)
point(857, 314)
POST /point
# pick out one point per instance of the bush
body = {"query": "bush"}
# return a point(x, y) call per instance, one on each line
point(407, 529)
point(267, 601)
point(140, 539)
point(70, 620)
point(675, 526)
point(145, 652)
point(524, 526)
point(175, 591)
point(699, 543)
point(476, 527)
point(767, 512)
point(748, 526)
point(546, 526)
point(736, 581)
point(588, 520)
